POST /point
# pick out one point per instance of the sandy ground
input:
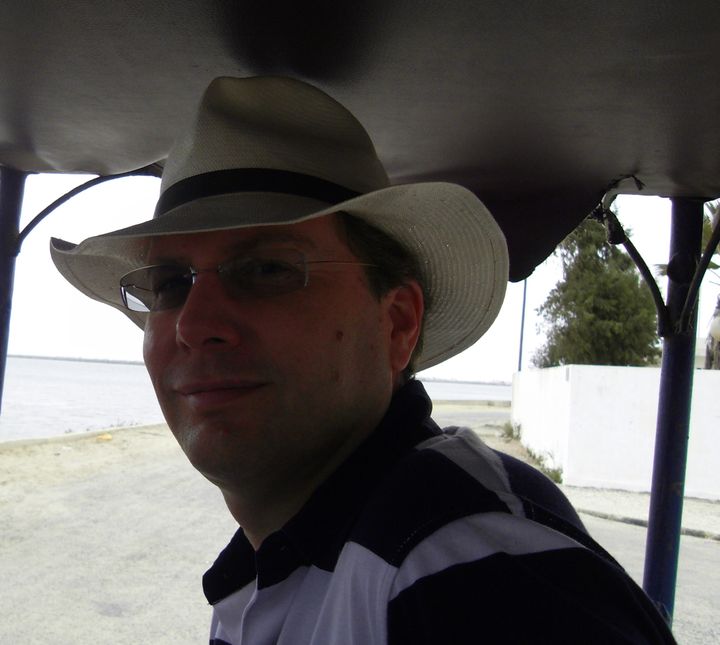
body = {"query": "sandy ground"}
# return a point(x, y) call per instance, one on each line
point(105, 539)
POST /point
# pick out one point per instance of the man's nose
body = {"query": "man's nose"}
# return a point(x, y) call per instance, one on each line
point(209, 315)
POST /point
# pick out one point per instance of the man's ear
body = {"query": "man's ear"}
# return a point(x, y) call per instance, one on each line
point(405, 308)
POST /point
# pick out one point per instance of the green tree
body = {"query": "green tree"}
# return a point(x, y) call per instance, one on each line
point(600, 313)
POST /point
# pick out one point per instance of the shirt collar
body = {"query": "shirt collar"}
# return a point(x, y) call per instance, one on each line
point(320, 529)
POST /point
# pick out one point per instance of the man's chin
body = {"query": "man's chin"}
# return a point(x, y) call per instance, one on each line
point(213, 446)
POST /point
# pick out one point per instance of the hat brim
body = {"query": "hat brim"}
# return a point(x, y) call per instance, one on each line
point(460, 246)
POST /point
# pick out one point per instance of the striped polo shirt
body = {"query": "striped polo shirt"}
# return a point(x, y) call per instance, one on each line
point(427, 536)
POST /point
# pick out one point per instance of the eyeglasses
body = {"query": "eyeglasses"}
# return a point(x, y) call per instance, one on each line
point(268, 273)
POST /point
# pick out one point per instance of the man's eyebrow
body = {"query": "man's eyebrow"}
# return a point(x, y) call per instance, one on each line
point(270, 238)
point(261, 240)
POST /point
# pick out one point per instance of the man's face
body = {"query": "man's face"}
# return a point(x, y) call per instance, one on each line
point(279, 387)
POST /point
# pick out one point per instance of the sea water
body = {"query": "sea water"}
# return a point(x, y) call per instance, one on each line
point(50, 397)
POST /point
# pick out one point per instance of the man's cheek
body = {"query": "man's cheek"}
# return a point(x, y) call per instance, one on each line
point(155, 365)
point(153, 348)
point(147, 344)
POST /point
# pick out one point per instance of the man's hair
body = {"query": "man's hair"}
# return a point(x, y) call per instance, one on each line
point(393, 266)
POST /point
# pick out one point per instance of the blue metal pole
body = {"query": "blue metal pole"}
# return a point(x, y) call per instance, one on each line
point(12, 184)
point(668, 482)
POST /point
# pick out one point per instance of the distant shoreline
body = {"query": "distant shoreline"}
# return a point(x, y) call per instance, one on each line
point(121, 362)
point(78, 360)
point(429, 379)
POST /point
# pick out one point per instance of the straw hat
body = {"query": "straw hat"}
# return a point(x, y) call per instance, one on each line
point(270, 150)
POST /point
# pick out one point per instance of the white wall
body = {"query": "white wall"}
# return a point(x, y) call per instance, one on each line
point(598, 424)
point(541, 407)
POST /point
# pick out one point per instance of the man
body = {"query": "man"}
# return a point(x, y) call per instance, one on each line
point(287, 294)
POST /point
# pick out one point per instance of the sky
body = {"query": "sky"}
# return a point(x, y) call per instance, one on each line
point(52, 318)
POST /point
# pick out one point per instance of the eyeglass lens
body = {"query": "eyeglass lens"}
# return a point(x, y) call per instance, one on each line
point(161, 287)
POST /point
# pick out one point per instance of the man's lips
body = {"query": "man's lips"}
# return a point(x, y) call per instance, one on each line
point(210, 393)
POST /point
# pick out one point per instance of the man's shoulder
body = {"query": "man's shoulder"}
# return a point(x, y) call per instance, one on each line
point(444, 480)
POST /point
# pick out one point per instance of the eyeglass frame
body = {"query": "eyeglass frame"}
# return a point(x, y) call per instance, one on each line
point(188, 270)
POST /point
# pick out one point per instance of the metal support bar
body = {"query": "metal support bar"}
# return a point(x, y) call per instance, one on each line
point(11, 238)
point(617, 235)
point(152, 170)
point(673, 421)
point(664, 326)
point(522, 325)
point(12, 186)
point(694, 289)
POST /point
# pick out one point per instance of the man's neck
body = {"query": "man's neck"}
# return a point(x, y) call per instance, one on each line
point(263, 508)
point(258, 521)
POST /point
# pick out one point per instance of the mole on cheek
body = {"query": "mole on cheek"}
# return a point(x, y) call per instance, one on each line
point(339, 335)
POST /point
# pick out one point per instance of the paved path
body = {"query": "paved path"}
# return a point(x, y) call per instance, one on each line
point(701, 518)
point(697, 596)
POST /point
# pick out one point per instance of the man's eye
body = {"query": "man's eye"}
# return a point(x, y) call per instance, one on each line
point(266, 276)
point(267, 269)
point(165, 281)
point(172, 283)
